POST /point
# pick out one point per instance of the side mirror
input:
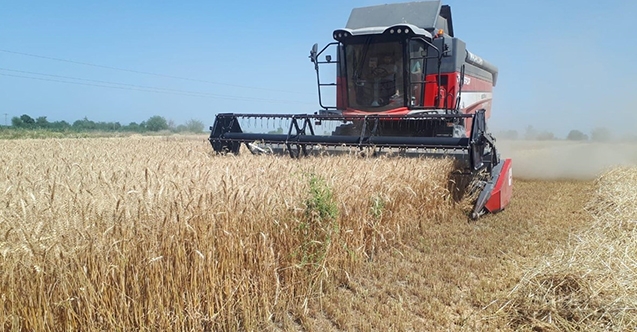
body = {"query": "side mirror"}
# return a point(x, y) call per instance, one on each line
point(314, 53)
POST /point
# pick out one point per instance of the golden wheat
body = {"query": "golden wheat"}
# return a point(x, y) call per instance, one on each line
point(160, 234)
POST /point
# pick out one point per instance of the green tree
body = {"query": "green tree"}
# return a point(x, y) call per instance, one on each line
point(24, 121)
point(17, 122)
point(60, 125)
point(109, 126)
point(42, 122)
point(576, 135)
point(156, 123)
point(28, 121)
point(133, 126)
point(84, 124)
point(194, 126)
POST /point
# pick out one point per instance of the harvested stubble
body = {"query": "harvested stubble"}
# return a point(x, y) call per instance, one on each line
point(154, 234)
point(591, 284)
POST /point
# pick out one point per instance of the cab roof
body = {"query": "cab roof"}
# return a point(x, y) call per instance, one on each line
point(428, 15)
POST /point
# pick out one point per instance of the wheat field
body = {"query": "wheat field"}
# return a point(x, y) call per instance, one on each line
point(158, 233)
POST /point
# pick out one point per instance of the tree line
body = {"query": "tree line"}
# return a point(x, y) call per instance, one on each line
point(599, 134)
point(155, 123)
point(158, 123)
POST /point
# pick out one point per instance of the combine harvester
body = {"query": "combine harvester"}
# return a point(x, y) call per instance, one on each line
point(404, 83)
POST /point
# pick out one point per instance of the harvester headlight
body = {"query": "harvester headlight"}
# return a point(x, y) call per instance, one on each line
point(406, 30)
point(399, 31)
point(391, 31)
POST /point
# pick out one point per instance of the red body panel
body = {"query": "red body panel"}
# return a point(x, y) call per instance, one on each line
point(341, 93)
point(501, 194)
point(432, 95)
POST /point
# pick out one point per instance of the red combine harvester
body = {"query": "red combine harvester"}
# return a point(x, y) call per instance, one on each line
point(404, 82)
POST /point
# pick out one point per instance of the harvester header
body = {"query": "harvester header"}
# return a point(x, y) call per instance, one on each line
point(404, 83)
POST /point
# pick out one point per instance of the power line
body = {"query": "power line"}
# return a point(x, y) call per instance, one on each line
point(155, 90)
point(143, 72)
point(145, 88)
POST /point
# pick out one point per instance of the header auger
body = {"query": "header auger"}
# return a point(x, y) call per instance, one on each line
point(404, 83)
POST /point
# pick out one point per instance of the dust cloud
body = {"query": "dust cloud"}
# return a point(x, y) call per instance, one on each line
point(552, 160)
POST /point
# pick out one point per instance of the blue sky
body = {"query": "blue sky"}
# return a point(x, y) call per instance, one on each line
point(563, 65)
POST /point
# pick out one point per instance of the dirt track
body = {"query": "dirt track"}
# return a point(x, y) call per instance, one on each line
point(455, 274)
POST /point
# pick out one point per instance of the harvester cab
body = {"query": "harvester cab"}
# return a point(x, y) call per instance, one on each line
point(403, 59)
point(403, 82)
